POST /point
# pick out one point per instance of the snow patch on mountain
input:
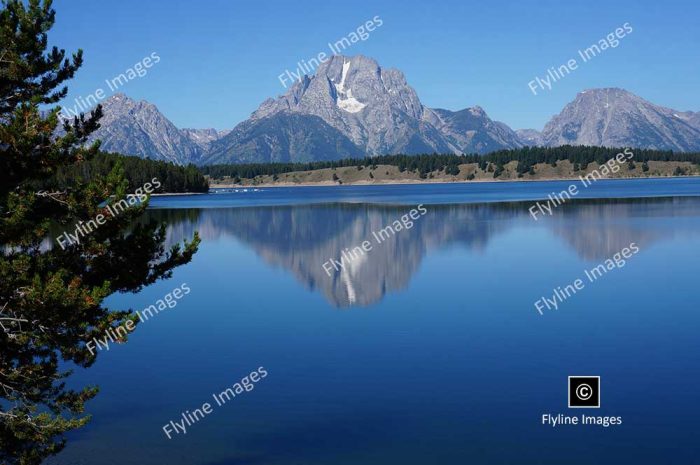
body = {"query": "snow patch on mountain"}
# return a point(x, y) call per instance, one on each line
point(349, 103)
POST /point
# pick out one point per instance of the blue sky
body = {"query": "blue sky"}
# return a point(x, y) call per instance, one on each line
point(220, 59)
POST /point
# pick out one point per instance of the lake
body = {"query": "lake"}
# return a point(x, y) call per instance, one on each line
point(424, 347)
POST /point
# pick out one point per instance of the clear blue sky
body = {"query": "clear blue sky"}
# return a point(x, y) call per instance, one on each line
point(220, 58)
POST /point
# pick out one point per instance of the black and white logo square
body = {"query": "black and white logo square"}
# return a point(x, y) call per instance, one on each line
point(584, 391)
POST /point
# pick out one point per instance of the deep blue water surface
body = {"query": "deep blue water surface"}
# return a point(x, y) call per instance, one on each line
point(426, 349)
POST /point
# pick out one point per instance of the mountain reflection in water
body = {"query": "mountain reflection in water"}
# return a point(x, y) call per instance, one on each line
point(301, 238)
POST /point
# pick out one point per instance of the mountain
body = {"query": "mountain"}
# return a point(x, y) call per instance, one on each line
point(617, 118)
point(138, 128)
point(530, 137)
point(203, 137)
point(352, 107)
point(474, 132)
point(357, 107)
point(693, 118)
point(282, 137)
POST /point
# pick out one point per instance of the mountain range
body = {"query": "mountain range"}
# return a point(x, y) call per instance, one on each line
point(353, 107)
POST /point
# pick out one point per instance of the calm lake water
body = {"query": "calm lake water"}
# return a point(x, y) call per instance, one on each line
point(425, 350)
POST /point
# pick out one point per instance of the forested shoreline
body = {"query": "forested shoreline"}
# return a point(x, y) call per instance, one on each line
point(191, 178)
point(527, 157)
point(138, 171)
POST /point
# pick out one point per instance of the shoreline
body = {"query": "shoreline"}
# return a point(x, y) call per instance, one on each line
point(413, 182)
point(165, 194)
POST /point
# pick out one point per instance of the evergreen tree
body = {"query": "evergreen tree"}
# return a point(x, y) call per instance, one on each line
point(452, 169)
point(50, 296)
point(498, 171)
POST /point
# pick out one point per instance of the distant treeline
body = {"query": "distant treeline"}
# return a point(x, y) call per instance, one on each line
point(580, 156)
point(138, 171)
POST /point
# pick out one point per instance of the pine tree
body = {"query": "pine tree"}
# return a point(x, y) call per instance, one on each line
point(51, 296)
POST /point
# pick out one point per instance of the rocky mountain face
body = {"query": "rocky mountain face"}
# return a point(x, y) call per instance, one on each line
point(692, 118)
point(282, 137)
point(530, 137)
point(617, 118)
point(360, 108)
point(472, 131)
point(203, 137)
point(139, 128)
